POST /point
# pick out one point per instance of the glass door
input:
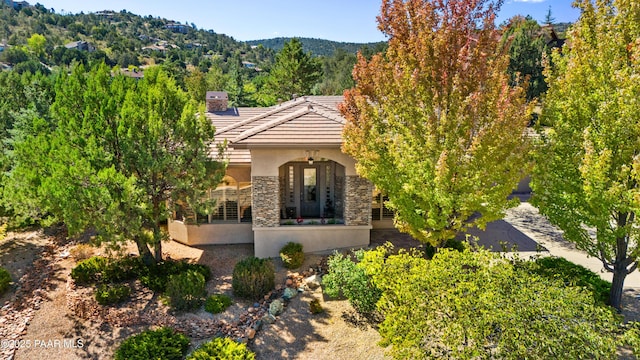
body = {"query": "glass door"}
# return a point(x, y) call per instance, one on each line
point(310, 197)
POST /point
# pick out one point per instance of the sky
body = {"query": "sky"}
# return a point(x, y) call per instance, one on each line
point(338, 20)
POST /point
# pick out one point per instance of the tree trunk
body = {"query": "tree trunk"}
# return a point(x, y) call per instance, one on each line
point(157, 242)
point(615, 296)
point(145, 253)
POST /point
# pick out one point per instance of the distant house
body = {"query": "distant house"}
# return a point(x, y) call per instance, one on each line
point(135, 73)
point(179, 28)
point(80, 45)
point(17, 4)
point(286, 180)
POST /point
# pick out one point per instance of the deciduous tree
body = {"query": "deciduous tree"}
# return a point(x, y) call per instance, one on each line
point(587, 174)
point(434, 122)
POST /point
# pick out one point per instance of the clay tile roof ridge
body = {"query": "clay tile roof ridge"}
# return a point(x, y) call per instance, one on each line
point(276, 109)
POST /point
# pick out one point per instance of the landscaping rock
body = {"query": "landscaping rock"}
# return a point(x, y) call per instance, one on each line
point(289, 293)
point(313, 281)
point(276, 308)
point(269, 319)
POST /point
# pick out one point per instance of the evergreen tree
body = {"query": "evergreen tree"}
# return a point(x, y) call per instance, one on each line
point(294, 72)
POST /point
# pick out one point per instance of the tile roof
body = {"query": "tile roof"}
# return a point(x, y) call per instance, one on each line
point(302, 121)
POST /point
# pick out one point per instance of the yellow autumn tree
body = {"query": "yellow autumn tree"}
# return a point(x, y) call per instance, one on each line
point(434, 123)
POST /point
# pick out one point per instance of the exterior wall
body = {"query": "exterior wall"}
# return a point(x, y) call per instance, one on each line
point(357, 202)
point(210, 234)
point(266, 162)
point(382, 224)
point(269, 241)
point(266, 201)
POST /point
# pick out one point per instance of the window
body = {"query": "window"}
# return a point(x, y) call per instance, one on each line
point(379, 211)
point(231, 200)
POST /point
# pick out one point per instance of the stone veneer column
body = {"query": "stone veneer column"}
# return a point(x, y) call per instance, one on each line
point(266, 201)
point(357, 201)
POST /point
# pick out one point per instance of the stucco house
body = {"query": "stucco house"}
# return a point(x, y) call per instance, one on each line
point(286, 180)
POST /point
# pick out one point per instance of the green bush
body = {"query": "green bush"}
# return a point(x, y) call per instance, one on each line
point(430, 250)
point(292, 255)
point(477, 304)
point(347, 278)
point(127, 268)
point(186, 290)
point(90, 270)
point(157, 275)
point(5, 280)
point(222, 349)
point(163, 343)
point(107, 294)
point(217, 303)
point(253, 277)
point(570, 274)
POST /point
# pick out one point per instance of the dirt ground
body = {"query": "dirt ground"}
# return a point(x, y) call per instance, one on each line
point(36, 312)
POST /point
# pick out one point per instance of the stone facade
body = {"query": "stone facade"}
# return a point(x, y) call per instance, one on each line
point(266, 201)
point(217, 101)
point(357, 201)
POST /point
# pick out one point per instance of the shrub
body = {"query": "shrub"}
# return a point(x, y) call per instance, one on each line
point(292, 255)
point(479, 305)
point(163, 343)
point(89, 270)
point(82, 252)
point(186, 290)
point(222, 349)
point(430, 250)
point(104, 270)
point(107, 294)
point(253, 277)
point(570, 274)
point(346, 278)
point(5, 280)
point(217, 303)
point(315, 307)
point(157, 275)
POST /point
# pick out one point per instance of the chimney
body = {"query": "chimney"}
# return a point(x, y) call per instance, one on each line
point(217, 101)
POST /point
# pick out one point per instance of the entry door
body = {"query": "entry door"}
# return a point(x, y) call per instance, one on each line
point(310, 191)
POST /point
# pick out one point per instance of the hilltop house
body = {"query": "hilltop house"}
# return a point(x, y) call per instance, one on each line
point(80, 45)
point(286, 180)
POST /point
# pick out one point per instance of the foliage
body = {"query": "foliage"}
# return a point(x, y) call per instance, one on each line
point(294, 72)
point(89, 270)
point(317, 47)
point(157, 275)
point(631, 337)
point(186, 290)
point(163, 343)
point(108, 294)
point(315, 307)
point(454, 244)
point(570, 274)
point(433, 81)
point(217, 303)
point(526, 47)
point(5, 280)
point(587, 173)
point(116, 153)
point(81, 252)
point(292, 255)
point(3, 231)
point(349, 279)
point(253, 277)
point(468, 305)
point(222, 348)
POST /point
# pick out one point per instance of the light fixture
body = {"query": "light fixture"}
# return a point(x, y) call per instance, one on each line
point(310, 155)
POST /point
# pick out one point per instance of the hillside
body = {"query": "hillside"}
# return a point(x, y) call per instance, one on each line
point(318, 47)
